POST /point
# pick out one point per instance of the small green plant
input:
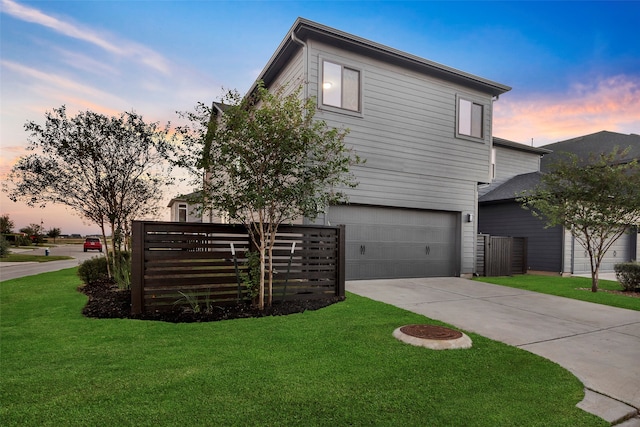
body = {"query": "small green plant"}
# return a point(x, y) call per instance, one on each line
point(93, 270)
point(251, 278)
point(193, 302)
point(4, 247)
point(628, 274)
point(122, 270)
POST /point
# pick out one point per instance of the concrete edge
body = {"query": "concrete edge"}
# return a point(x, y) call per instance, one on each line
point(463, 342)
point(607, 408)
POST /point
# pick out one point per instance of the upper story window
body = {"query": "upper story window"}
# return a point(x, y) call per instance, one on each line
point(340, 86)
point(182, 213)
point(470, 118)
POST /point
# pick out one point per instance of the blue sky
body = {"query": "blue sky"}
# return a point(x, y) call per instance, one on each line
point(574, 66)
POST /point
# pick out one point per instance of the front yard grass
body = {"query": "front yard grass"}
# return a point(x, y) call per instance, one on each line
point(570, 287)
point(32, 258)
point(336, 366)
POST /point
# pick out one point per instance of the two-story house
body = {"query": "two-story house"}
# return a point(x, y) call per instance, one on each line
point(425, 130)
point(518, 170)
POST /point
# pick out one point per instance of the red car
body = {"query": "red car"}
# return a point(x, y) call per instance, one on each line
point(92, 243)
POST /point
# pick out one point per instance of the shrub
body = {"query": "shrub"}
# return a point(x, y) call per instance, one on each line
point(93, 270)
point(4, 247)
point(628, 274)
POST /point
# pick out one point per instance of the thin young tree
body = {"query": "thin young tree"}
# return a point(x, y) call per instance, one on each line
point(6, 224)
point(269, 161)
point(109, 170)
point(597, 199)
point(54, 233)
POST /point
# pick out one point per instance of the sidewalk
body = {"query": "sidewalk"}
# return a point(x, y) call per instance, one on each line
point(597, 343)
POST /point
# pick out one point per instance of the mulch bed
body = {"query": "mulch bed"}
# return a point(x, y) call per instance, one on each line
point(107, 301)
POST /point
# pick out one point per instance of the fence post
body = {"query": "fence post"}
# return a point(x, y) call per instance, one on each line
point(340, 261)
point(137, 267)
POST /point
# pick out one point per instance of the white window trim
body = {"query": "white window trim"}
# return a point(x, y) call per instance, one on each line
point(183, 207)
point(321, 105)
point(458, 117)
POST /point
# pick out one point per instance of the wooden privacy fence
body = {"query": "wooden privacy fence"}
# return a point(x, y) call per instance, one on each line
point(501, 256)
point(182, 264)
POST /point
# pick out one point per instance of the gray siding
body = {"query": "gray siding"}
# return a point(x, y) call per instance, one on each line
point(544, 249)
point(509, 163)
point(293, 74)
point(406, 133)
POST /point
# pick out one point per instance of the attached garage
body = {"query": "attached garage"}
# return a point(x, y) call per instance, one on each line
point(383, 243)
point(620, 251)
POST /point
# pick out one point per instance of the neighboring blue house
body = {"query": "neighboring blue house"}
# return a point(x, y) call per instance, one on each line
point(549, 249)
point(425, 130)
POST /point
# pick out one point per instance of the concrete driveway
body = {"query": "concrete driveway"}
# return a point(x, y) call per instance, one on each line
point(599, 344)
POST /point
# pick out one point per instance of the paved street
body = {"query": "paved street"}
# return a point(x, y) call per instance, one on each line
point(13, 270)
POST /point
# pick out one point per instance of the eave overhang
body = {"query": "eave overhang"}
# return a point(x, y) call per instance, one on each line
point(304, 30)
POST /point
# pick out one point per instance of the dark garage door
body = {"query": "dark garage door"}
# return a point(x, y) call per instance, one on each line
point(384, 243)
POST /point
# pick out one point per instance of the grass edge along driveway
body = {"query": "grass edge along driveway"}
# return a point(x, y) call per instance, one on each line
point(569, 287)
point(333, 367)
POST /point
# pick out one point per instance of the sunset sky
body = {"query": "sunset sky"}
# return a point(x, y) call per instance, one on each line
point(574, 66)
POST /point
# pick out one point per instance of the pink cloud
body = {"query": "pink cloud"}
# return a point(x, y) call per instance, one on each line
point(611, 104)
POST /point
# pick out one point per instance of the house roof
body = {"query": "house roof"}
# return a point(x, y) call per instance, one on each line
point(303, 30)
point(185, 198)
point(500, 142)
point(512, 188)
point(596, 143)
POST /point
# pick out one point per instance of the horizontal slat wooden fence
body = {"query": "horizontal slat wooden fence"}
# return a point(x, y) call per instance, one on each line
point(181, 264)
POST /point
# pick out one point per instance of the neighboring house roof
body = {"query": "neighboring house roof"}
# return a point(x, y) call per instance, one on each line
point(500, 142)
point(512, 188)
point(184, 198)
point(582, 146)
point(304, 29)
point(596, 143)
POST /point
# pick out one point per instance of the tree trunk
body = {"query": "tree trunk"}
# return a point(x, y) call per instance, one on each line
point(106, 251)
point(272, 241)
point(594, 279)
point(262, 268)
point(595, 269)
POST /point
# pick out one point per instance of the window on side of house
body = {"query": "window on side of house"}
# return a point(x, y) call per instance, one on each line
point(470, 118)
point(182, 213)
point(340, 86)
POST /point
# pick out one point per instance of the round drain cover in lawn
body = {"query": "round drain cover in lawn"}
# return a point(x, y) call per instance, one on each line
point(433, 337)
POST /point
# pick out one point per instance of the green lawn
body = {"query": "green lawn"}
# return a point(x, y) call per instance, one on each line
point(571, 287)
point(32, 258)
point(334, 367)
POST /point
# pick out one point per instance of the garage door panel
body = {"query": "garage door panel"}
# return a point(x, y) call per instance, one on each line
point(387, 242)
point(619, 252)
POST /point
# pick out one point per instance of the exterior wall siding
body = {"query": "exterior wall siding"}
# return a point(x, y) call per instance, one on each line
point(293, 74)
point(544, 248)
point(406, 132)
point(509, 163)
